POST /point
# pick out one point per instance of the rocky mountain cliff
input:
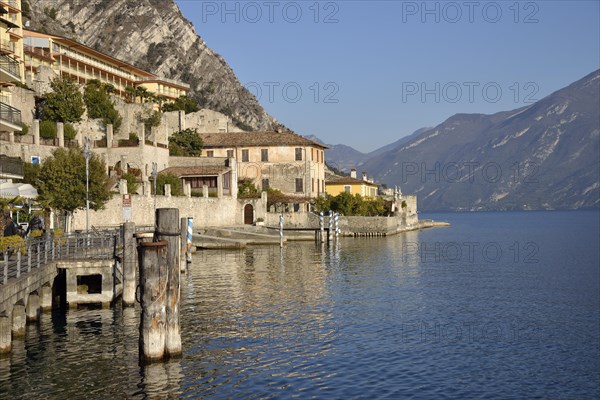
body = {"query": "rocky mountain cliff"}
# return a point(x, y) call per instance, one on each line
point(543, 156)
point(154, 35)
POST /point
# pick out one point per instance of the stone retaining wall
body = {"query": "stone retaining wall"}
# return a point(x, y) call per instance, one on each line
point(224, 211)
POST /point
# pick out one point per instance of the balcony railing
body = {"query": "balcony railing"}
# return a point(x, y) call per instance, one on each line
point(11, 165)
point(7, 46)
point(91, 62)
point(161, 79)
point(24, 139)
point(11, 3)
point(10, 114)
point(10, 22)
point(49, 142)
point(40, 51)
point(9, 65)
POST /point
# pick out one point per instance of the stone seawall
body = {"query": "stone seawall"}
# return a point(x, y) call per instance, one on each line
point(349, 226)
point(211, 211)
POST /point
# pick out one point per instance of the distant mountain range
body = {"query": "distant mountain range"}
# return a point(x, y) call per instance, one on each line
point(344, 158)
point(542, 156)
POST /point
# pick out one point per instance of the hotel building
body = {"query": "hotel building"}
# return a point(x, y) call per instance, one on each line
point(67, 57)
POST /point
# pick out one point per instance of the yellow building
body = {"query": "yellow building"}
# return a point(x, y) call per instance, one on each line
point(11, 67)
point(279, 160)
point(69, 58)
point(335, 185)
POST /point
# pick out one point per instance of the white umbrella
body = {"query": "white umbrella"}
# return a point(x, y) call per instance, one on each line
point(27, 191)
point(24, 190)
point(9, 190)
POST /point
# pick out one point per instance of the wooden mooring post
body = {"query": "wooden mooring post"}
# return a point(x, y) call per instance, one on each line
point(129, 264)
point(160, 336)
point(167, 229)
point(153, 287)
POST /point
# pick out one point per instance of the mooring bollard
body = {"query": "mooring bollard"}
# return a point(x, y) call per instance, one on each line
point(190, 230)
point(321, 227)
point(129, 264)
point(336, 225)
point(183, 245)
point(281, 230)
point(167, 228)
point(153, 287)
point(330, 226)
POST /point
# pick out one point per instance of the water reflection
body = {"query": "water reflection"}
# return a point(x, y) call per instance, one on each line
point(160, 379)
point(263, 321)
point(361, 316)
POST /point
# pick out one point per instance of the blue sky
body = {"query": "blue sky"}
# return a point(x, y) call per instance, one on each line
point(366, 73)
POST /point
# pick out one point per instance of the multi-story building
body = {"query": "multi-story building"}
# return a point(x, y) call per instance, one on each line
point(284, 161)
point(351, 184)
point(11, 67)
point(67, 57)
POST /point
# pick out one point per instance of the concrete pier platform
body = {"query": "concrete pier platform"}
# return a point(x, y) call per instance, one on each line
point(231, 235)
point(208, 242)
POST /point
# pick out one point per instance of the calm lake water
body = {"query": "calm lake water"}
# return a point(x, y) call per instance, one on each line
point(499, 305)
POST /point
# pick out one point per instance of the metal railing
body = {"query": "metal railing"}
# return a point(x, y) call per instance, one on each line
point(11, 165)
point(9, 65)
point(12, 3)
point(71, 143)
point(37, 253)
point(165, 80)
point(49, 142)
point(25, 139)
point(40, 51)
point(7, 45)
point(10, 114)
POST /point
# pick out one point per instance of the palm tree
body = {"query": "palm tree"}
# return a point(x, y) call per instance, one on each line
point(131, 93)
point(143, 93)
point(160, 100)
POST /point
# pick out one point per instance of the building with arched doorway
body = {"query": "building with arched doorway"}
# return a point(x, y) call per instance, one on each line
point(285, 161)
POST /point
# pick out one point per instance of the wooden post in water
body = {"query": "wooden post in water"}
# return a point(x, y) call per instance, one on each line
point(167, 229)
point(129, 264)
point(153, 286)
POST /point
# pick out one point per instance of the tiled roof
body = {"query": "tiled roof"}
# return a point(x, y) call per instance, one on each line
point(256, 139)
point(341, 180)
point(204, 170)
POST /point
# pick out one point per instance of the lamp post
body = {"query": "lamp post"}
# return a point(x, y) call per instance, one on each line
point(87, 153)
point(154, 176)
